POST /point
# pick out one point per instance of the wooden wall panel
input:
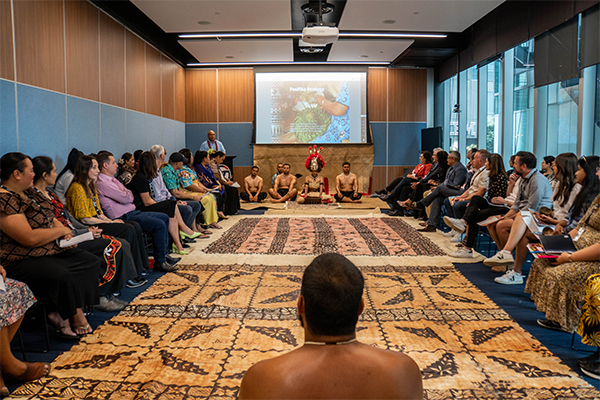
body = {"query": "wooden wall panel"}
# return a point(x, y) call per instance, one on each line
point(112, 61)
point(179, 93)
point(379, 180)
point(135, 75)
point(153, 78)
point(39, 43)
point(168, 87)
point(377, 94)
point(201, 95)
point(82, 49)
point(7, 63)
point(407, 95)
point(236, 95)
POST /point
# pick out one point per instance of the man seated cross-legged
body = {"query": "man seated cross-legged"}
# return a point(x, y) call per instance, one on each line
point(284, 188)
point(346, 186)
point(332, 364)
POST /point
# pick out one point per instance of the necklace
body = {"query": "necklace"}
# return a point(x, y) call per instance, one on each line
point(331, 343)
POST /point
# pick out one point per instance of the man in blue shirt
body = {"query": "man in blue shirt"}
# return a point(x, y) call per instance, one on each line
point(212, 143)
point(455, 178)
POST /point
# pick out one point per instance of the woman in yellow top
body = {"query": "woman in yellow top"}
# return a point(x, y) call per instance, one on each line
point(83, 204)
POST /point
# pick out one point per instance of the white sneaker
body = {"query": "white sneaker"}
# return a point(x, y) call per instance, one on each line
point(458, 225)
point(510, 278)
point(462, 253)
point(457, 238)
point(500, 258)
point(451, 233)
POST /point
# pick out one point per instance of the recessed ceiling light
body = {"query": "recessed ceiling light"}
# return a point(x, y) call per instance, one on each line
point(204, 22)
point(229, 57)
point(416, 13)
point(389, 21)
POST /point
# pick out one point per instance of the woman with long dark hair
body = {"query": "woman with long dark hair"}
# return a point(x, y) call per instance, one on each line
point(63, 279)
point(565, 192)
point(142, 198)
point(481, 208)
point(65, 176)
point(126, 169)
point(403, 188)
point(84, 205)
point(115, 256)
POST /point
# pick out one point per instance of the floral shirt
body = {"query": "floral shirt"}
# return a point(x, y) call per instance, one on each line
point(339, 128)
point(80, 205)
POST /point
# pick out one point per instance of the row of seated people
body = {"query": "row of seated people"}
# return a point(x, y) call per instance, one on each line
point(65, 278)
point(284, 186)
point(514, 208)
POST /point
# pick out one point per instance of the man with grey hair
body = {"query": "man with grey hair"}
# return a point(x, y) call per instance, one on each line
point(455, 178)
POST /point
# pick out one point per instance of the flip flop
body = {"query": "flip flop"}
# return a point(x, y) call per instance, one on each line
point(81, 328)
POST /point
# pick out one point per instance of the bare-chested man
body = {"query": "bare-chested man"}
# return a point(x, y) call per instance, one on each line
point(253, 185)
point(332, 364)
point(279, 172)
point(284, 188)
point(346, 186)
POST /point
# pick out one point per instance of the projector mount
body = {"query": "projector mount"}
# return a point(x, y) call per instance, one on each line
point(317, 35)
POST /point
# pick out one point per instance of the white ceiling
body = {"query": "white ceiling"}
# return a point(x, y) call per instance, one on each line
point(175, 16)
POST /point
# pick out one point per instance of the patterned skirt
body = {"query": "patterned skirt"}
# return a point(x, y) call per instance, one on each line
point(558, 290)
point(589, 325)
point(15, 302)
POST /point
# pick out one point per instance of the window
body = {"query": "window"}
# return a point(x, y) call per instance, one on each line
point(563, 100)
point(523, 100)
point(470, 111)
point(491, 75)
point(450, 102)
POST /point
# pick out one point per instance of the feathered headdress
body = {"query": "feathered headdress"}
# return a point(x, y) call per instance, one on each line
point(314, 161)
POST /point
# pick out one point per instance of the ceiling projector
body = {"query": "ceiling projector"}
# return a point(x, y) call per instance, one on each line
point(320, 34)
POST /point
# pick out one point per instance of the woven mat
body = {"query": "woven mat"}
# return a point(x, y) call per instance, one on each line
point(194, 333)
point(328, 212)
point(313, 236)
point(366, 203)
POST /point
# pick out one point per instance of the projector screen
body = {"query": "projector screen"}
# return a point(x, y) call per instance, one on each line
point(311, 107)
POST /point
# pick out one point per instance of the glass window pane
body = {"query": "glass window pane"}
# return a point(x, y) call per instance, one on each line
point(494, 106)
point(596, 146)
point(523, 98)
point(451, 101)
point(562, 117)
point(471, 109)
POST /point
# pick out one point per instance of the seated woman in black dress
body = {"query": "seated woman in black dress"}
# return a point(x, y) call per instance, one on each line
point(142, 198)
point(115, 256)
point(64, 280)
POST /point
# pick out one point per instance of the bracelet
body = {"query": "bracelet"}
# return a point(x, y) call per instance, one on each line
point(570, 259)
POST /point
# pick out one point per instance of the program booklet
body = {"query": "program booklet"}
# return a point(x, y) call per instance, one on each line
point(558, 244)
point(84, 237)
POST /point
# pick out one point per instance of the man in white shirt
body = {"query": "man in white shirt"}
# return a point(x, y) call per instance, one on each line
point(212, 143)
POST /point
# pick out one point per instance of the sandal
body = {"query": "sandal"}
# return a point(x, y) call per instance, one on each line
point(86, 329)
point(3, 389)
point(214, 225)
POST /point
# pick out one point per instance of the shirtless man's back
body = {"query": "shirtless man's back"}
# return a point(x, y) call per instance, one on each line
point(349, 371)
point(332, 364)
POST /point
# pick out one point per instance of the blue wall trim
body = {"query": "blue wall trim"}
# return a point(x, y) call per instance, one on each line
point(52, 123)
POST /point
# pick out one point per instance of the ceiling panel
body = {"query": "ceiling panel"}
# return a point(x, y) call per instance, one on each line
point(217, 15)
point(375, 50)
point(414, 15)
point(209, 51)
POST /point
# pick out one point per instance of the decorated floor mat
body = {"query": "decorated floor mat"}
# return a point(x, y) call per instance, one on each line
point(313, 236)
point(194, 333)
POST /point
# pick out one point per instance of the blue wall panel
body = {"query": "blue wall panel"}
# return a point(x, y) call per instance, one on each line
point(378, 133)
point(195, 134)
point(404, 142)
point(237, 138)
point(8, 118)
point(137, 126)
point(114, 129)
point(156, 132)
point(42, 123)
point(179, 133)
point(83, 117)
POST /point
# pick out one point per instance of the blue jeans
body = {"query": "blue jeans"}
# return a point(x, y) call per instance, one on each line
point(155, 224)
point(189, 212)
point(457, 210)
point(436, 200)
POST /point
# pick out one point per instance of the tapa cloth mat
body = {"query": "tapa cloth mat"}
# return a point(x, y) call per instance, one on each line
point(366, 203)
point(194, 333)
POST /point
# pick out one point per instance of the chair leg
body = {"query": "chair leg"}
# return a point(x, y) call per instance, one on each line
point(22, 346)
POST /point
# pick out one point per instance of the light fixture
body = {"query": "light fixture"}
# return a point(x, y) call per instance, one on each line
point(283, 35)
point(235, 64)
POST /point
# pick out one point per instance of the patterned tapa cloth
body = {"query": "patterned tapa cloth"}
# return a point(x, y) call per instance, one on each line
point(313, 236)
point(194, 333)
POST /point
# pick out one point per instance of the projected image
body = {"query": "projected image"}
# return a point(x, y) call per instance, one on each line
point(310, 110)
